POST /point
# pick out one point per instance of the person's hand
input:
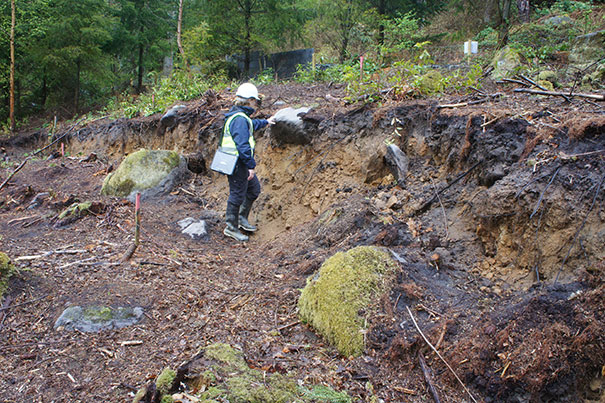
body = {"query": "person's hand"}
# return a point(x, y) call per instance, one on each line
point(271, 120)
point(250, 174)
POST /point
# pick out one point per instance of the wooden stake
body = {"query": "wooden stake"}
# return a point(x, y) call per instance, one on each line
point(137, 226)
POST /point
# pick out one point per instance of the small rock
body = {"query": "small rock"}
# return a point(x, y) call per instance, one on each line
point(196, 229)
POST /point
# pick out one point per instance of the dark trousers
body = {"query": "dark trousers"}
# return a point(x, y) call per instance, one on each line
point(240, 188)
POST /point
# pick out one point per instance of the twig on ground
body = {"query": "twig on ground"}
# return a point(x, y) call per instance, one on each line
point(426, 371)
point(594, 199)
point(439, 355)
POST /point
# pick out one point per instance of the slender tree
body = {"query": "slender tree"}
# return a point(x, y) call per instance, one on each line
point(12, 68)
point(178, 34)
point(242, 26)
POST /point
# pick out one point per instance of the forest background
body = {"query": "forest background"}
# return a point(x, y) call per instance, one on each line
point(66, 58)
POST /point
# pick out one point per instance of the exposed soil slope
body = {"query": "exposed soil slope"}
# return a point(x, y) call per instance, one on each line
point(498, 227)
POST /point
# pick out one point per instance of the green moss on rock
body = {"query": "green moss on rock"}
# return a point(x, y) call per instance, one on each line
point(506, 62)
point(76, 210)
point(141, 170)
point(6, 271)
point(234, 381)
point(164, 381)
point(430, 82)
point(546, 84)
point(548, 75)
point(346, 285)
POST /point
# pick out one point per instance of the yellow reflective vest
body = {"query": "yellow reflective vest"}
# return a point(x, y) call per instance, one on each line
point(228, 145)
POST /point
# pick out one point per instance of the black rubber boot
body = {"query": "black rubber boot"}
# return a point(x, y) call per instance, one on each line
point(244, 212)
point(232, 230)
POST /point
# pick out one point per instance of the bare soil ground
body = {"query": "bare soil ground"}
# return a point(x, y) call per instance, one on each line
point(499, 228)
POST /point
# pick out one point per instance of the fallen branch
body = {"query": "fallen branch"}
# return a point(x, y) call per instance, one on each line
point(439, 355)
point(596, 97)
point(137, 227)
point(428, 378)
point(532, 82)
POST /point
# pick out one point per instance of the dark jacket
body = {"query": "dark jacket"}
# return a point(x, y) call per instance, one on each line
point(240, 132)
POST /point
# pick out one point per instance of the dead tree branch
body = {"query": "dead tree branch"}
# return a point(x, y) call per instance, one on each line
point(596, 97)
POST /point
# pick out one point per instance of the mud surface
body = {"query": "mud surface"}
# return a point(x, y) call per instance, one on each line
point(498, 227)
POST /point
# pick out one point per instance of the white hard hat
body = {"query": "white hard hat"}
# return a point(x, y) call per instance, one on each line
point(247, 90)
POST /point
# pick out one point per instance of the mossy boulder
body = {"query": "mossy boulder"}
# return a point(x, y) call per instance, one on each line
point(76, 210)
point(546, 84)
point(430, 82)
point(506, 62)
point(337, 300)
point(6, 271)
point(95, 318)
point(548, 75)
point(150, 172)
point(596, 79)
point(587, 49)
point(222, 373)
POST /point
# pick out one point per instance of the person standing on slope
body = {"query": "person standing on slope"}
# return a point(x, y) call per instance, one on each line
point(244, 186)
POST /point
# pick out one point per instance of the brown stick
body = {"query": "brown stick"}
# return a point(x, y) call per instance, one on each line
point(439, 355)
point(428, 378)
point(137, 228)
point(596, 97)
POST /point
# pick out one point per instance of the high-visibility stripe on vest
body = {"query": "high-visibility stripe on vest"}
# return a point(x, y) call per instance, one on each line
point(228, 145)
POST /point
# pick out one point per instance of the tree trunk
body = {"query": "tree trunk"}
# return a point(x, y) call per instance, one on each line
point(12, 68)
point(140, 74)
point(247, 44)
point(178, 35)
point(523, 6)
point(491, 14)
point(504, 22)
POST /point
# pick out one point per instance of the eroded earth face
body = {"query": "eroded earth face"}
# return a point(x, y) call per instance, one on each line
point(498, 231)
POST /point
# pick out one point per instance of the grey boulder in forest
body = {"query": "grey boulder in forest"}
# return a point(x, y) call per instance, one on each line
point(150, 172)
point(347, 284)
point(506, 63)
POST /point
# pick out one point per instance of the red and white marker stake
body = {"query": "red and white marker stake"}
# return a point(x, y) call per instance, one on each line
point(361, 68)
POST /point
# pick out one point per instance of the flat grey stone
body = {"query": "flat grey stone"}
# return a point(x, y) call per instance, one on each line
point(96, 318)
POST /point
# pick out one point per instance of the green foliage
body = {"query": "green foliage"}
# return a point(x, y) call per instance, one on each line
point(400, 33)
point(569, 6)
point(266, 76)
point(539, 42)
point(178, 87)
